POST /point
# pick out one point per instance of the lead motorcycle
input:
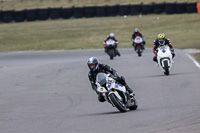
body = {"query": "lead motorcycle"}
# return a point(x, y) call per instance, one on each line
point(115, 93)
point(138, 45)
point(164, 58)
point(111, 48)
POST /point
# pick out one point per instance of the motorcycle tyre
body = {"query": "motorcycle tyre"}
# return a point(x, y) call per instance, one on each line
point(139, 51)
point(139, 54)
point(135, 106)
point(118, 105)
point(111, 57)
point(166, 68)
point(111, 53)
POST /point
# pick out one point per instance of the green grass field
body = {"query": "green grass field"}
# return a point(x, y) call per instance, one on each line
point(88, 33)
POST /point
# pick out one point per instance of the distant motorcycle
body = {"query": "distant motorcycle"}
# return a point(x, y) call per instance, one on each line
point(138, 45)
point(164, 58)
point(115, 93)
point(111, 48)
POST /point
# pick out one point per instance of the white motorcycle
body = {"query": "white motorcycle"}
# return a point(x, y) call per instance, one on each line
point(164, 58)
point(111, 48)
point(115, 93)
point(138, 45)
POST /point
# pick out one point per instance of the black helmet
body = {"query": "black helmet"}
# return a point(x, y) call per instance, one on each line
point(93, 63)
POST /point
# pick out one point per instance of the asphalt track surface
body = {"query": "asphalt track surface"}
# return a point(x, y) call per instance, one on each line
point(49, 92)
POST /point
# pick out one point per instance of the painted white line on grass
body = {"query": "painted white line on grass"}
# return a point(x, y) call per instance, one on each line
point(195, 62)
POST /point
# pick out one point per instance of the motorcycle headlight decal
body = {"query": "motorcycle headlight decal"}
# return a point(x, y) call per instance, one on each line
point(109, 86)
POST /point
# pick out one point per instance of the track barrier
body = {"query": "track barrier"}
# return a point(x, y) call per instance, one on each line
point(97, 11)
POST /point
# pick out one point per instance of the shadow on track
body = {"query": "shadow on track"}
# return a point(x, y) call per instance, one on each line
point(107, 113)
point(172, 74)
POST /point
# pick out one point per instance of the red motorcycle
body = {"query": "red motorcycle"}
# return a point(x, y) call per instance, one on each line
point(138, 45)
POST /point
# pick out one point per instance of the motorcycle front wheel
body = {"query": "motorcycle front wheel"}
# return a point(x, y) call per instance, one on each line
point(111, 53)
point(139, 50)
point(118, 104)
point(166, 67)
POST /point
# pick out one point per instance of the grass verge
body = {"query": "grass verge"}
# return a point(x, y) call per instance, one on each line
point(196, 56)
point(182, 29)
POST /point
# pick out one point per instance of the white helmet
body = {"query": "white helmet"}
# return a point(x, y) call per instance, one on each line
point(111, 35)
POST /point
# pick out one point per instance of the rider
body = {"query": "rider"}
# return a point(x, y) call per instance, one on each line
point(111, 36)
point(95, 68)
point(137, 33)
point(161, 40)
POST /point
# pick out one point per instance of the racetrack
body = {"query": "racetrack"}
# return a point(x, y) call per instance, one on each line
point(49, 92)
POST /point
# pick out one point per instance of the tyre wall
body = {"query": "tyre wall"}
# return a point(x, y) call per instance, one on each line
point(101, 11)
point(90, 12)
point(78, 12)
point(180, 8)
point(43, 14)
point(170, 8)
point(55, 13)
point(19, 16)
point(147, 9)
point(66, 13)
point(191, 8)
point(97, 11)
point(31, 15)
point(7, 16)
point(124, 10)
point(158, 8)
point(112, 10)
point(135, 9)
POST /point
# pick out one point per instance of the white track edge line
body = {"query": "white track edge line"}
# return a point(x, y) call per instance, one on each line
point(195, 62)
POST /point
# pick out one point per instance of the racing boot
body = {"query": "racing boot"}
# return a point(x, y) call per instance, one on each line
point(117, 52)
point(101, 98)
point(143, 47)
point(131, 94)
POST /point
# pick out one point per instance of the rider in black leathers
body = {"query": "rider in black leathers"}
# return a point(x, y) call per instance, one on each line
point(111, 36)
point(135, 34)
point(95, 68)
point(161, 40)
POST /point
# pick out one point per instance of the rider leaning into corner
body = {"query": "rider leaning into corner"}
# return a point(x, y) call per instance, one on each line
point(135, 34)
point(95, 68)
point(162, 40)
point(112, 37)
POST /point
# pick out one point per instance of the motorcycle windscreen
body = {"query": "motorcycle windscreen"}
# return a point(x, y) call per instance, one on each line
point(163, 49)
point(101, 78)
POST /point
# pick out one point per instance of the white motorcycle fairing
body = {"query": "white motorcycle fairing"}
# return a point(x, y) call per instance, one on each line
point(110, 42)
point(111, 86)
point(164, 58)
point(114, 93)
